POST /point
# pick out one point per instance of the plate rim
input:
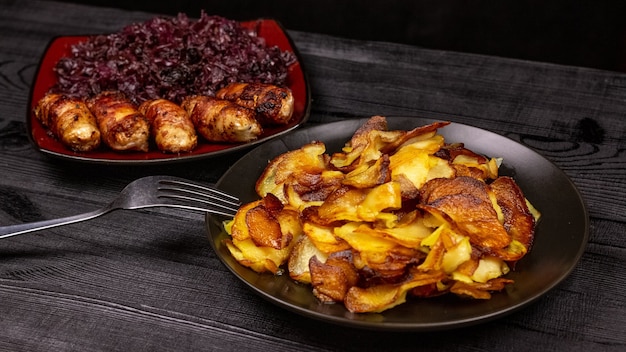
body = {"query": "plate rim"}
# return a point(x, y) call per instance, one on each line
point(180, 158)
point(403, 326)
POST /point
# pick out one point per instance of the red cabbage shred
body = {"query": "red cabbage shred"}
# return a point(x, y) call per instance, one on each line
point(171, 58)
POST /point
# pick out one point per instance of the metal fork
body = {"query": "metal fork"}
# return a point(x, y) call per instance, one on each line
point(147, 192)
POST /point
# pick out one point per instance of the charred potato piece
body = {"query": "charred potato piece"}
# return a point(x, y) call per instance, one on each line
point(382, 297)
point(332, 279)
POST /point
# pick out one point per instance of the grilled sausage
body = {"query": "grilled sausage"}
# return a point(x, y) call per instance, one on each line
point(219, 120)
point(170, 126)
point(69, 120)
point(122, 127)
point(273, 104)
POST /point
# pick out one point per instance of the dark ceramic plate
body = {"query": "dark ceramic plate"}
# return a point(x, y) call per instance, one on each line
point(59, 47)
point(560, 239)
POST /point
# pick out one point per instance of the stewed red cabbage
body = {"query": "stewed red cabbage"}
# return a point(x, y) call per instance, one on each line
point(171, 58)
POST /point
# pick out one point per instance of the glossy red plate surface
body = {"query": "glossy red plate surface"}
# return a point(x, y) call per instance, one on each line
point(270, 30)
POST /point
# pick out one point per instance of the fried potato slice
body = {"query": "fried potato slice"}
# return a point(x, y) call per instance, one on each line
point(238, 228)
point(479, 290)
point(473, 217)
point(300, 257)
point(489, 268)
point(417, 163)
point(476, 166)
point(342, 204)
point(263, 233)
point(270, 224)
point(323, 238)
point(353, 204)
point(373, 139)
point(441, 187)
point(360, 237)
point(309, 159)
point(264, 229)
point(259, 259)
point(466, 162)
point(457, 254)
point(382, 297)
point(379, 201)
point(408, 232)
point(436, 250)
point(361, 140)
point(306, 190)
point(519, 221)
point(369, 174)
point(332, 279)
point(388, 266)
point(466, 202)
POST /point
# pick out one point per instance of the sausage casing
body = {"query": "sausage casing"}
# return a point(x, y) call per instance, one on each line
point(69, 120)
point(219, 120)
point(170, 126)
point(273, 104)
point(121, 125)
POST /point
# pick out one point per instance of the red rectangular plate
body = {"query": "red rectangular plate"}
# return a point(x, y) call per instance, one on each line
point(274, 35)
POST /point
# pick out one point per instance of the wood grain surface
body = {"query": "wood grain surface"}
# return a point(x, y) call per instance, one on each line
point(149, 281)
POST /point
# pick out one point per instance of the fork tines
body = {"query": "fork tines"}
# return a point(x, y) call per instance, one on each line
point(198, 197)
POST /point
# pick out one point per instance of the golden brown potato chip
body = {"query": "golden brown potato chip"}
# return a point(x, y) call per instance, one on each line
point(382, 297)
point(342, 205)
point(441, 187)
point(298, 263)
point(415, 135)
point(238, 228)
point(437, 250)
point(379, 201)
point(488, 268)
point(360, 237)
point(332, 279)
point(259, 259)
point(359, 142)
point(369, 174)
point(408, 233)
point(519, 222)
point(262, 234)
point(479, 290)
point(414, 162)
point(323, 237)
point(263, 228)
point(309, 159)
point(473, 217)
point(387, 266)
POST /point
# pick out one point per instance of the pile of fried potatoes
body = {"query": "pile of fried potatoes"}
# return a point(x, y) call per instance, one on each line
point(395, 213)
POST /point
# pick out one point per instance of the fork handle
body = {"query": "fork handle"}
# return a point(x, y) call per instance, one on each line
point(13, 230)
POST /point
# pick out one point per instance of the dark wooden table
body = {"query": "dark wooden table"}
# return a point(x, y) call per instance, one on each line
point(149, 280)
